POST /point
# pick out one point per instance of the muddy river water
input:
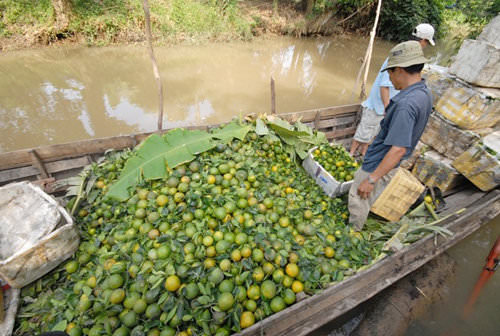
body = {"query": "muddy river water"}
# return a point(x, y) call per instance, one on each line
point(443, 318)
point(61, 95)
point(65, 94)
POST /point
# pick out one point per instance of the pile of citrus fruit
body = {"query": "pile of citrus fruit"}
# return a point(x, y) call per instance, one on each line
point(237, 234)
point(337, 161)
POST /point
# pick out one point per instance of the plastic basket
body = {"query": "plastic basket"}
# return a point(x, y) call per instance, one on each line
point(323, 178)
point(398, 196)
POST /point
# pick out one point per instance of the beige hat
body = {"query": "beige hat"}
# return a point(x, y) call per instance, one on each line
point(406, 54)
point(424, 31)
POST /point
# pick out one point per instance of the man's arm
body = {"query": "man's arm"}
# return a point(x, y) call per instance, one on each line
point(384, 94)
point(390, 160)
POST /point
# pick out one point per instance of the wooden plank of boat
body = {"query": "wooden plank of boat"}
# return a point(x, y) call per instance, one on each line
point(311, 313)
point(51, 167)
point(341, 133)
point(22, 157)
point(336, 122)
point(325, 113)
point(19, 164)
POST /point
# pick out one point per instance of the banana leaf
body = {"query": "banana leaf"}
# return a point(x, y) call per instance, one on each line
point(303, 128)
point(185, 144)
point(149, 160)
point(260, 127)
point(283, 127)
point(230, 131)
point(176, 147)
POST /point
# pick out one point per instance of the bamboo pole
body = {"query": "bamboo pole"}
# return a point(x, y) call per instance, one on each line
point(369, 51)
point(358, 77)
point(156, 72)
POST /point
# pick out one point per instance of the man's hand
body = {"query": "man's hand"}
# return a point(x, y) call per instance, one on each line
point(365, 189)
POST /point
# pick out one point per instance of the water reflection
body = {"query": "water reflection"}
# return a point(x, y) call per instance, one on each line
point(282, 59)
point(129, 113)
point(323, 48)
point(308, 74)
point(61, 95)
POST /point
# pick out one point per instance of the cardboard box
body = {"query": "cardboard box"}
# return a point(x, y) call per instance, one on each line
point(478, 62)
point(470, 108)
point(438, 79)
point(446, 138)
point(490, 32)
point(480, 164)
point(26, 215)
point(435, 170)
point(410, 162)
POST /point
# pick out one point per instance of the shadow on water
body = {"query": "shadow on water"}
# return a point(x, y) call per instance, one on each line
point(443, 318)
point(61, 95)
point(470, 255)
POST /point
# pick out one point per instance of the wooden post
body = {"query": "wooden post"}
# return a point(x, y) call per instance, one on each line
point(156, 72)
point(369, 52)
point(273, 97)
point(317, 118)
point(37, 162)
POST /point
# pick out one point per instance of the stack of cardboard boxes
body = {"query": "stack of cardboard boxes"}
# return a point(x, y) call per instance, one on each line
point(463, 134)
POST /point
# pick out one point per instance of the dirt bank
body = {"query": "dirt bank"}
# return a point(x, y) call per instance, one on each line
point(39, 26)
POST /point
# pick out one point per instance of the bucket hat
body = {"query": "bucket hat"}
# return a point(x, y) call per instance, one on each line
point(424, 31)
point(406, 54)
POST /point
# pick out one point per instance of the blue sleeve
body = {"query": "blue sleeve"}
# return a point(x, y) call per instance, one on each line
point(385, 80)
point(401, 126)
point(383, 76)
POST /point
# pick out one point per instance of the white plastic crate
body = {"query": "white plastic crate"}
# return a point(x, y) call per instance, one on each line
point(323, 178)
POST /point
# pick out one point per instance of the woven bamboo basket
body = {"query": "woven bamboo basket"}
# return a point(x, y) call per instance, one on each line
point(398, 196)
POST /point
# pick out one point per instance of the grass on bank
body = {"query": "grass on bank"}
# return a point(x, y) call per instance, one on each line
point(101, 22)
point(24, 23)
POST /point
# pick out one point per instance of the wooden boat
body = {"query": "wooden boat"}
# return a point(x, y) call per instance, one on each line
point(45, 165)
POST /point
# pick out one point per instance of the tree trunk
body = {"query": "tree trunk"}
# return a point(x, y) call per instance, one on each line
point(62, 9)
point(309, 6)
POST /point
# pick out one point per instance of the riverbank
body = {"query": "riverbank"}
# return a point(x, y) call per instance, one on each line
point(27, 24)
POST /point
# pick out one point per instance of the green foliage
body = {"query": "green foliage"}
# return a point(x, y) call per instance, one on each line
point(22, 13)
point(155, 155)
point(196, 17)
point(462, 21)
point(108, 21)
point(471, 16)
point(178, 146)
point(347, 7)
point(26, 11)
point(101, 22)
point(476, 13)
point(398, 18)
